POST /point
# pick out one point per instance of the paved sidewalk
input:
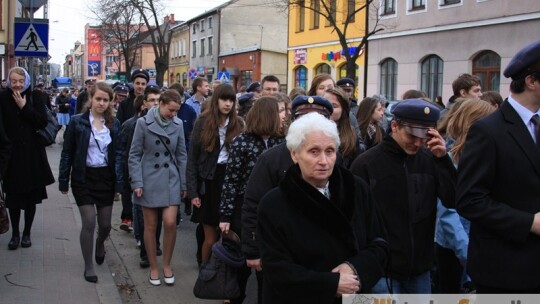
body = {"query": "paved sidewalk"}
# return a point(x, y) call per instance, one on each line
point(51, 271)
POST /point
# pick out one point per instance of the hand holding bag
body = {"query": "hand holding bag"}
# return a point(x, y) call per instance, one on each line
point(218, 278)
point(4, 219)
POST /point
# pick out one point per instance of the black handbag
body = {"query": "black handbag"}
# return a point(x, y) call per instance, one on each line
point(217, 281)
point(47, 135)
point(4, 219)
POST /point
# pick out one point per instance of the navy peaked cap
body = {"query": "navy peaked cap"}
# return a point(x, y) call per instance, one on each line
point(524, 62)
point(253, 86)
point(245, 98)
point(416, 111)
point(345, 82)
point(140, 73)
point(303, 104)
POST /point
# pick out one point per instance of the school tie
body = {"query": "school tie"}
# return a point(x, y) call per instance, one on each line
point(536, 122)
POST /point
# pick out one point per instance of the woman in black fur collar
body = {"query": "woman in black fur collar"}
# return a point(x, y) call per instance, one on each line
point(320, 232)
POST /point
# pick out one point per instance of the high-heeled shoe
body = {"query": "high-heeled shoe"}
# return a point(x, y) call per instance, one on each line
point(91, 279)
point(14, 243)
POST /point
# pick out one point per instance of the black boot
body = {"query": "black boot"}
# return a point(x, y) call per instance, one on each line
point(25, 243)
point(14, 242)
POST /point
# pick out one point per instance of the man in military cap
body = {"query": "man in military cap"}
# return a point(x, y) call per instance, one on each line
point(126, 110)
point(407, 172)
point(347, 85)
point(498, 182)
point(255, 88)
point(83, 96)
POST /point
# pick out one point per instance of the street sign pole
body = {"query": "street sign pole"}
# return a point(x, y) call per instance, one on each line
point(31, 68)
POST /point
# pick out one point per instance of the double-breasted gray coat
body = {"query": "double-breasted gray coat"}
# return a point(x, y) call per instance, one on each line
point(151, 166)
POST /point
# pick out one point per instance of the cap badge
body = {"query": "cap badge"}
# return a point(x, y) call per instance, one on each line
point(310, 100)
point(426, 110)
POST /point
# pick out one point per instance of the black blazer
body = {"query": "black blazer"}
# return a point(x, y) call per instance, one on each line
point(498, 190)
point(201, 164)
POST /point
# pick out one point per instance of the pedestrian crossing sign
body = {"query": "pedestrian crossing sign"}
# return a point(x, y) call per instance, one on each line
point(31, 38)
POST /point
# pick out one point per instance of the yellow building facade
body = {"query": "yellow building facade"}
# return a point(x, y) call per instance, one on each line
point(314, 46)
point(179, 56)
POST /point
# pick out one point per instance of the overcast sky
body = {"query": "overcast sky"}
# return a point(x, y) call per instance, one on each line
point(68, 18)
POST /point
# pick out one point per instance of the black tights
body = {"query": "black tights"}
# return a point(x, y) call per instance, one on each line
point(15, 217)
point(88, 219)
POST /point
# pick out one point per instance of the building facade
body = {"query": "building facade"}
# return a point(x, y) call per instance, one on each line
point(179, 54)
point(203, 35)
point(314, 46)
point(253, 42)
point(426, 45)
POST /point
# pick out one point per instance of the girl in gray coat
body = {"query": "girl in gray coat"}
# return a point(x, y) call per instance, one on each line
point(157, 170)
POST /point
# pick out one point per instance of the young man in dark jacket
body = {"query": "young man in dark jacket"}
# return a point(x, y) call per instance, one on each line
point(407, 172)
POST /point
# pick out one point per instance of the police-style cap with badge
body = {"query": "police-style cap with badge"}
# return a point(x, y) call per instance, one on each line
point(121, 88)
point(524, 62)
point(345, 83)
point(417, 116)
point(140, 73)
point(305, 104)
point(90, 81)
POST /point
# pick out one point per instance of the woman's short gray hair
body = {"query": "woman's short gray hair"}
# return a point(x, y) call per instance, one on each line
point(309, 123)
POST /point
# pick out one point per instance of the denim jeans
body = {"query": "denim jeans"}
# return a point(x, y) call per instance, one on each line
point(420, 284)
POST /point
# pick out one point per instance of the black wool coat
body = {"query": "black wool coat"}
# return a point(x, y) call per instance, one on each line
point(28, 169)
point(498, 191)
point(303, 236)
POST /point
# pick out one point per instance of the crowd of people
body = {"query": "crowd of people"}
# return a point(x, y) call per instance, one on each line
point(327, 196)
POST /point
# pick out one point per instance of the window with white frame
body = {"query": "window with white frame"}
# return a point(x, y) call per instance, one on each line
point(210, 45)
point(449, 2)
point(194, 49)
point(432, 76)
point(388, 78)
point(202, 47)
point(417, 5)
point(202, 25)
point(210, 19)
point(388, 7)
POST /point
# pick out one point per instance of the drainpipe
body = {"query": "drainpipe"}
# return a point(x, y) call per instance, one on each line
point(366, 52)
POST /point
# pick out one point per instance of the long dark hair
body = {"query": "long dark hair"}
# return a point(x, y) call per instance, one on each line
point(213, 118)
point(365, 111)
point(347, 135)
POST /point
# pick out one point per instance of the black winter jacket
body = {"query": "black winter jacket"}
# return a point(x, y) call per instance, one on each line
point(75, 150)
point(126, 109)
point(406, 189)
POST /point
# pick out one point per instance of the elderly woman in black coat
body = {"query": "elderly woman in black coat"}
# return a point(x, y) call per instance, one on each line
point(320, 233)
point(28, 171)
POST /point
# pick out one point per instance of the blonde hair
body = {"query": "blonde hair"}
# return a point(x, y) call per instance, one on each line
point(470, 111)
